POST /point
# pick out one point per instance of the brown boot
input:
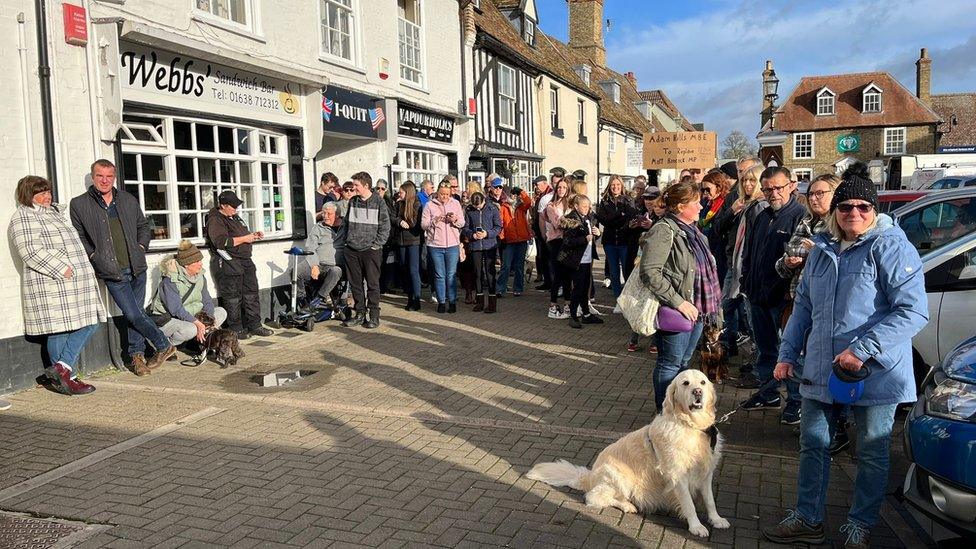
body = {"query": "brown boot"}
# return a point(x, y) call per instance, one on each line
point(468, 297)
point(492, 304)
point(139, 367)
point(479, 303)
point(160, 357)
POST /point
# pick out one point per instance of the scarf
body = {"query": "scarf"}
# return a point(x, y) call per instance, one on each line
point(708, 291)
point(712, 210)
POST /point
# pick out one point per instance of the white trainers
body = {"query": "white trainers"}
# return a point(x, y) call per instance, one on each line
point(616, 309)
point(606, 282)
point(554, 312)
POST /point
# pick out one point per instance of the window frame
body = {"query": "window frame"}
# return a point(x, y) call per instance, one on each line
point(433, 165)
point(886, 135)
point(420, 47)
point(504, 98)
point(806, 171)
point(251, 27)
point(355, 53)
point(812, 145)
point(257, 164)
point(611, 141)
point(554, 108)
point(826, 102)
point(872, 91)
point(529, 31)
point(581, 119)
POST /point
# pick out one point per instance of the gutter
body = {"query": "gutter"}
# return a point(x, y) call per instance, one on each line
point(47, 112)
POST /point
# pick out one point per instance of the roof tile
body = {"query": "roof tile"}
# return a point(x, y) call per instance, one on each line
point(963, 106)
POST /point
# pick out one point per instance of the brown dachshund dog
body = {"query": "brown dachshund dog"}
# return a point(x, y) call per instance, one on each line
point(713, 362)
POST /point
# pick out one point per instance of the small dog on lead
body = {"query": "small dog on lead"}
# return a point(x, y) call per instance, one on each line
point(222, 342)
point(712, 355)
point(660, 467)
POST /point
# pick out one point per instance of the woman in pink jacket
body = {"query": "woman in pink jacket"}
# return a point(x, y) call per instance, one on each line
point(559, 206)
point(442, 221)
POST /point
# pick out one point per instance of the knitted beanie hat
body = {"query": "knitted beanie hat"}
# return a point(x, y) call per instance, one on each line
point(188, 253)
point(855, 184)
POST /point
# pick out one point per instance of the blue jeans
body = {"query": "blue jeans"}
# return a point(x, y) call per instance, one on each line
point(445, 261)
point(409, 257)
point(674, 351)
point(66, 347)
point(130, 296)
point(616, 265)
point(513, 257)
point(765, 329)
point(873, 442)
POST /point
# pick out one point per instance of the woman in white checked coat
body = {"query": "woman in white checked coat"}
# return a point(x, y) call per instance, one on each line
point(58, 286)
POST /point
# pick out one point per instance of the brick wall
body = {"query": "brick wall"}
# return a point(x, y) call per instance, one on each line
point(919, 140)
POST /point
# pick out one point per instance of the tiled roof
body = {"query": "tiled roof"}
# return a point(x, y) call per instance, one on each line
point(557, 59)
point(899, 107)
point(963, 107)
point(661, 99)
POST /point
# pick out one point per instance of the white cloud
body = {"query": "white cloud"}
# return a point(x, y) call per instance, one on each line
point(711, 64)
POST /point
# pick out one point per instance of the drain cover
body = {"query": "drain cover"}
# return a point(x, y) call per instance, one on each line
point(34, 533)
point(280, 379)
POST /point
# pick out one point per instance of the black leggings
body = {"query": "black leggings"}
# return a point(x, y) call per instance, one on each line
point(484, 268)
point(582, 279)
point(561, 276)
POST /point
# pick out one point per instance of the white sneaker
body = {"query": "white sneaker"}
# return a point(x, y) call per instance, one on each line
point(606, 282)
point(565, 313)
point(616, 309)
point(554, 312)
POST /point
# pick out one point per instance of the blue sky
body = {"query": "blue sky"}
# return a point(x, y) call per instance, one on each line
point(708, 55)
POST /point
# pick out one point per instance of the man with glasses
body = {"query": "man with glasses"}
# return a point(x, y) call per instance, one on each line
point(766, 238)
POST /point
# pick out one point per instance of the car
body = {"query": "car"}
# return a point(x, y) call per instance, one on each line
point(952, 182)
point(939, 434)
point(941, 227)
point(889, 201)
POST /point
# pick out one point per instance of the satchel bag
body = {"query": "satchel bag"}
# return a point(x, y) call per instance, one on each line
point(638, 305)
point(670, 319)
point(160, 319)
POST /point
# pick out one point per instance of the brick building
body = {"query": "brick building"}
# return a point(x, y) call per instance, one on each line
point(829, 122)
point(957, 133)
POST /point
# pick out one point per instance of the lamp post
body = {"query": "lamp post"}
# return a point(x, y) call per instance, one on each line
point(770, 87)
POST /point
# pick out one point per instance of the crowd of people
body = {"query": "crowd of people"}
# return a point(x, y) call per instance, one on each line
point(821, 283)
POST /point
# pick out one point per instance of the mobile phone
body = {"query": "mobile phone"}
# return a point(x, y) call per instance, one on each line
point(478, 229)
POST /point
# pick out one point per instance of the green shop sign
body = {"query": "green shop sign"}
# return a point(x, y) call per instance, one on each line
point(848, 143)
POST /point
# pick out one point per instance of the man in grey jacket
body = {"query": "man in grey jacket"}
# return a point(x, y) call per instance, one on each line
point(327, 239)
point(116, 235)
point(367, 229)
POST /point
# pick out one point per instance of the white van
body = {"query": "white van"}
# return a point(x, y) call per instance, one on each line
point(913, 171)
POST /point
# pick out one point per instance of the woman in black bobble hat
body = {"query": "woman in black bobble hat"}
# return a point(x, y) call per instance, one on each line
point(856, 184)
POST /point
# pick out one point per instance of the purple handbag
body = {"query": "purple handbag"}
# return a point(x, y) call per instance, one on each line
point(671, 320)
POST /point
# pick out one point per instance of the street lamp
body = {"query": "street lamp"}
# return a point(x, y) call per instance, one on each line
point(770, 87)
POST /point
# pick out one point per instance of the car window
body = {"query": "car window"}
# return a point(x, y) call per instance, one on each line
point(892, 205)
point(954, 275)
point(936, 224)
point(947, 183)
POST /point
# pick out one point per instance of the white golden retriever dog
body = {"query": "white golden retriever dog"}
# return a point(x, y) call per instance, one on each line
point(660, 467)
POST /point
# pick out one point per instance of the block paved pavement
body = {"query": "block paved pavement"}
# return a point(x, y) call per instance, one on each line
point(415, 434)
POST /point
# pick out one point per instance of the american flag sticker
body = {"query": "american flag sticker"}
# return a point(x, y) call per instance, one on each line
point(376, 117)
point(327, 105)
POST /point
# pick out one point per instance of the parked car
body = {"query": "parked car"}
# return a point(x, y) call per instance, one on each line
point(941, 226)
point(939, 435)
point(952, 183)
point(889, 201)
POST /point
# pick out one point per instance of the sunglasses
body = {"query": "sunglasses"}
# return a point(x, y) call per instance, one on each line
point(380, 188)
point(848, 208)
point(770, 190)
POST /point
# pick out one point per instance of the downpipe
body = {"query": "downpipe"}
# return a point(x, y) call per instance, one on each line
point(47, 112)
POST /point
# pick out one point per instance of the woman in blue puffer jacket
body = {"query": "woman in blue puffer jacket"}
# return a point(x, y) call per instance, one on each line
point(859, 303)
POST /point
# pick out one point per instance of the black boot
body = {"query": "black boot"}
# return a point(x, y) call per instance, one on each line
point(452, 307)
point(373, 321)
point(355, 321)
point(492, 304)
point(416, 303)
point(479, 303)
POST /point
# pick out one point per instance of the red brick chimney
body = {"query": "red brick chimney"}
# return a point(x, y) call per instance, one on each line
point(923, 77)
point(633, 79)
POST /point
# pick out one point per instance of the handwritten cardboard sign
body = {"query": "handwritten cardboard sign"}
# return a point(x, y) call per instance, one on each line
point(679, 150)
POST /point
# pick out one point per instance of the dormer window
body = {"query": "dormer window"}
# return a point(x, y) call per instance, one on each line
point(612, 89)
point(528, 31)
point(871, 99)
point(825, 102)
point(583, 71)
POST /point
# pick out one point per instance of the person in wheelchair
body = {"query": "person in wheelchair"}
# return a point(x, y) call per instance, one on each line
point(319, 274)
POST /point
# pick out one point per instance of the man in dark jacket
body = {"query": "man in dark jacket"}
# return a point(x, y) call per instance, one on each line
point(367, 230)
point(116, 234)
point(231, 243)
point(768, 293)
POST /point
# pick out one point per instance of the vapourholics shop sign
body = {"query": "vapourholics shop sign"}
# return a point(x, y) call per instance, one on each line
point(848, 143)
point(158, 76)
point(414, 122)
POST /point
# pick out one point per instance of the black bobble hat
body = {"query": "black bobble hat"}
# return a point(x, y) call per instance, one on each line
point(855, 184)
point(730, 169)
